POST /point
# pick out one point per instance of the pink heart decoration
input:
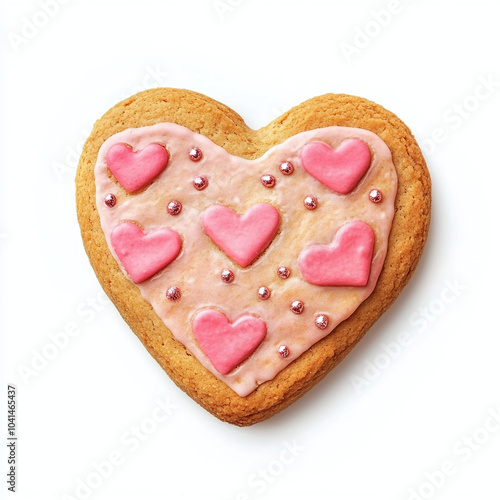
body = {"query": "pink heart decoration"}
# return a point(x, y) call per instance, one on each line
point(143, 255)
point(134, 170)
point(345, 262)
point(227, 344)
point(242, 238)
point(339, 169)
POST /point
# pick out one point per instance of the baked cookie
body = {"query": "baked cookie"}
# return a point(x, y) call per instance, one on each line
point(250, 262)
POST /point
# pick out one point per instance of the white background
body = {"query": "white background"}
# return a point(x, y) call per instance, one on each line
point(394, 421)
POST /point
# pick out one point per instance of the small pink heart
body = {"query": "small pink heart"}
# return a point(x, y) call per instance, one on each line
point(339, 169)
point(242, 238)
point(227, 344)
point(133, 170)
point(345, 262)
point(144, 254)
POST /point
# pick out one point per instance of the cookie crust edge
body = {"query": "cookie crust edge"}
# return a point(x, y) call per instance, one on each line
point(226, 128)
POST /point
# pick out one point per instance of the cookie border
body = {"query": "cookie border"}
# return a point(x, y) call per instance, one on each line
point(227, 129)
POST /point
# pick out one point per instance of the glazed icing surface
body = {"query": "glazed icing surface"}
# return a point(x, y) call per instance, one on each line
point(235, 183)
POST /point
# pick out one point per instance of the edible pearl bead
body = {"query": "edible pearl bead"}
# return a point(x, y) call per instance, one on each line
point(286, 168)
point(283, 351)
point(268, 181)
point(227, 276)
point(174, 207)
point(200, 183)
point(110, 200)
point(264, 292)
point(375, 196)
point(321, 321)
point(195, 154)
point(310, 202)
point(297, 307)
point(283, 272)
point(174, 293)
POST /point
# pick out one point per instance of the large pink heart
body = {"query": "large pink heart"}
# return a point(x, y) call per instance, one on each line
point(134, 170)
point(227, 344)
point(242, 238)
point(143, 255)
point(345, 262)
point(340, 169)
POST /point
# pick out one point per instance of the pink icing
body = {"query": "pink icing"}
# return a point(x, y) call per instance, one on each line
point(242, 238)
point(143, 255)
point(340, 169)
point(345, 262)
point(134, 170)
point(227, 344)
point(235, 183)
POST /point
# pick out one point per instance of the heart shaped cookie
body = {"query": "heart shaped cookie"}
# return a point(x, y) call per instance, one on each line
point(250, 262)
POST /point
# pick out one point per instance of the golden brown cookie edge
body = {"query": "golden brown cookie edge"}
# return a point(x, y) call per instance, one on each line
point(226, 128)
